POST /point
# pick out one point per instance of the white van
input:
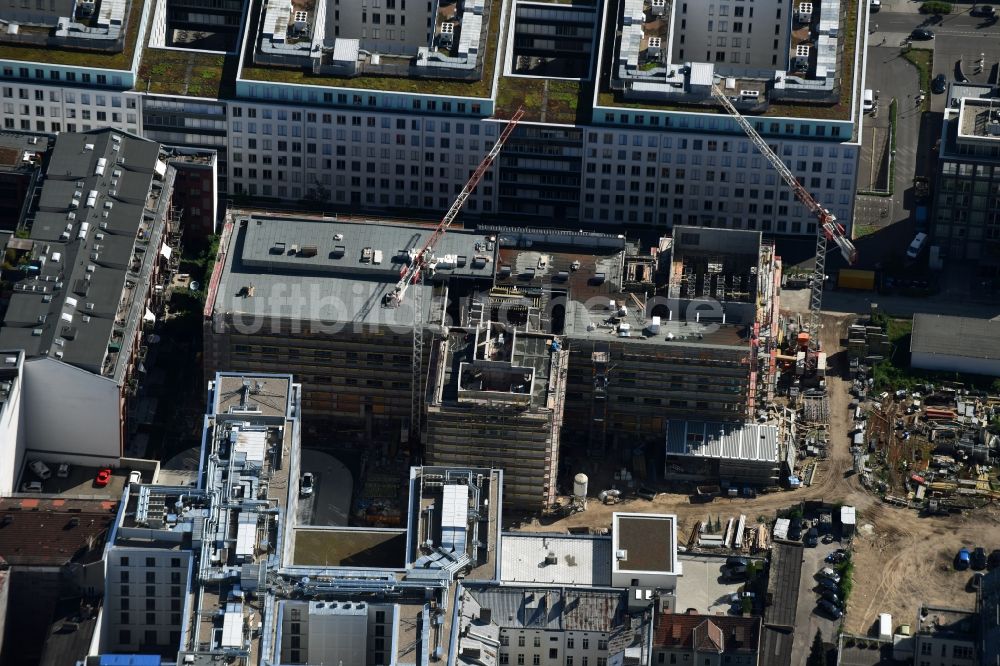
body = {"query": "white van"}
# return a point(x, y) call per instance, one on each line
point(916, 246)
point(868, 100)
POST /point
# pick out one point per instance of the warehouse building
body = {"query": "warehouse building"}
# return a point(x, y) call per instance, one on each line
point(955, 344)
point(740, 453)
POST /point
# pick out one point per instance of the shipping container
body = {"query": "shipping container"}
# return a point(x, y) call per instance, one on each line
point(850, 278)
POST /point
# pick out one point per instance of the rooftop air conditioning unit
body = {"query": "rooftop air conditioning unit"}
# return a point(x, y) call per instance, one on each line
point(659, 7)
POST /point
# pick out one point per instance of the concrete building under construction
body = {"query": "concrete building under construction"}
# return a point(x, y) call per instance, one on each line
point(681, 330)
point(495, 398)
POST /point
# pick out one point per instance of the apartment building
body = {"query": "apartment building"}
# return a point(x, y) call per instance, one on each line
point(550, 626)
point(394, 124)
point(966, 217)
point(495, 398)
point(92, 271)
point(709, 640)
point(945, 637)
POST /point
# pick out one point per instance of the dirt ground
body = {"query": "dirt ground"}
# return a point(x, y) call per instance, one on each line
point(901, 559)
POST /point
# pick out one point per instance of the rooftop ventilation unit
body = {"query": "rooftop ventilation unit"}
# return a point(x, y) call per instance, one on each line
point(447, 36)
point(653, 47)
point(802, 51)
point(659, 7)
point(804, 15)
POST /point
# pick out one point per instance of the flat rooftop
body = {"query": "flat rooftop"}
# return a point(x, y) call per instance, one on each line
point(948, 623)
point(337, 272)
point(749, 442)
point(381, 78)
point(358, 548)
point(62, 52)
point(649, 542)
point(980, 119)
point(264, 395)
point(955, 336)
point(555, 559)
point(656, 82)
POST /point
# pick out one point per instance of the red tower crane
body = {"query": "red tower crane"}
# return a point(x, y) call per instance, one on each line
point(410, 273)
point(827, 227)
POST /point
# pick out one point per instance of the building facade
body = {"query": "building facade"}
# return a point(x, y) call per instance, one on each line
point(403, 143)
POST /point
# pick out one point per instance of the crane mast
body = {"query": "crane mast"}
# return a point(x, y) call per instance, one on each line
point(827, 227)
point(410, 273)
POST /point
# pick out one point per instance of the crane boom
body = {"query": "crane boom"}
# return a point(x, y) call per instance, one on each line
point(827, 227)
point(411, 272)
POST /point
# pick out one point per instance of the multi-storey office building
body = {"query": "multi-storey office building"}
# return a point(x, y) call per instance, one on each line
point(309, 296)
point(967, 198)
point(343, 110)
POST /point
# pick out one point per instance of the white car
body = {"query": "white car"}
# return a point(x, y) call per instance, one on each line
point(875, 5)
point(40, 469)
point(306, 484)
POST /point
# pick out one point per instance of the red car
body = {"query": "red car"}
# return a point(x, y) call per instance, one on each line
point(103, 477)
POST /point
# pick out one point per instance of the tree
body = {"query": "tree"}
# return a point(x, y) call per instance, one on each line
point(817, 653)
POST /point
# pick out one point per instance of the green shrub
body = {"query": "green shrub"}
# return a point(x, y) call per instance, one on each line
point(935, 7)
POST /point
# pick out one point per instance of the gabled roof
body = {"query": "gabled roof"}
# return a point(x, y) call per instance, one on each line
point(721, 634)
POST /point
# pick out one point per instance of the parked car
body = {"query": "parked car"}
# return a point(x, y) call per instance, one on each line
point(827, 572)
point(828, 538)
point(939, 84)
point(993, 561)
point(812, 538)
point(835, 558)
point(103, 477)
point(795, 529)
point(830, 596)
point(646, 493)
point(874, 5)
point(962, 560)
point(978, 559)
point(735, 573)
point(737, 561)
point(830, 609)
point(983, 11)
point(62, 471)
point(828, 584)
point(306, 484)
point(922, 34)
point(40, 469)
point(31, 487)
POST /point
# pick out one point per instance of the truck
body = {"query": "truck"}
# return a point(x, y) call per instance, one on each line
point(920, 218)
point(850, 278)
point(921, 189)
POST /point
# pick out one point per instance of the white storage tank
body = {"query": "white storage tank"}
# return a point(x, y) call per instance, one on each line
point(580, 482)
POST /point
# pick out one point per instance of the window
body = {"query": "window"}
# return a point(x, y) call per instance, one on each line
point(520, 641)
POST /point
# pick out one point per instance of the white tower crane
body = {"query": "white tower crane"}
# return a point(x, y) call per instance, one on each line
point(827, 227)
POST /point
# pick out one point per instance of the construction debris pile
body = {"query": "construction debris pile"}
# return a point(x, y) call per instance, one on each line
point(732, 535)
point(936, 449)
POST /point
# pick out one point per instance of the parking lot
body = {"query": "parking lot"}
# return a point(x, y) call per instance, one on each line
point(808, 617)
point(78, 483)
point(702, 586)
point(330, 502)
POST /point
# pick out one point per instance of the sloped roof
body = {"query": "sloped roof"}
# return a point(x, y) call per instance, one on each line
point(707, 633)
point(41, 532)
